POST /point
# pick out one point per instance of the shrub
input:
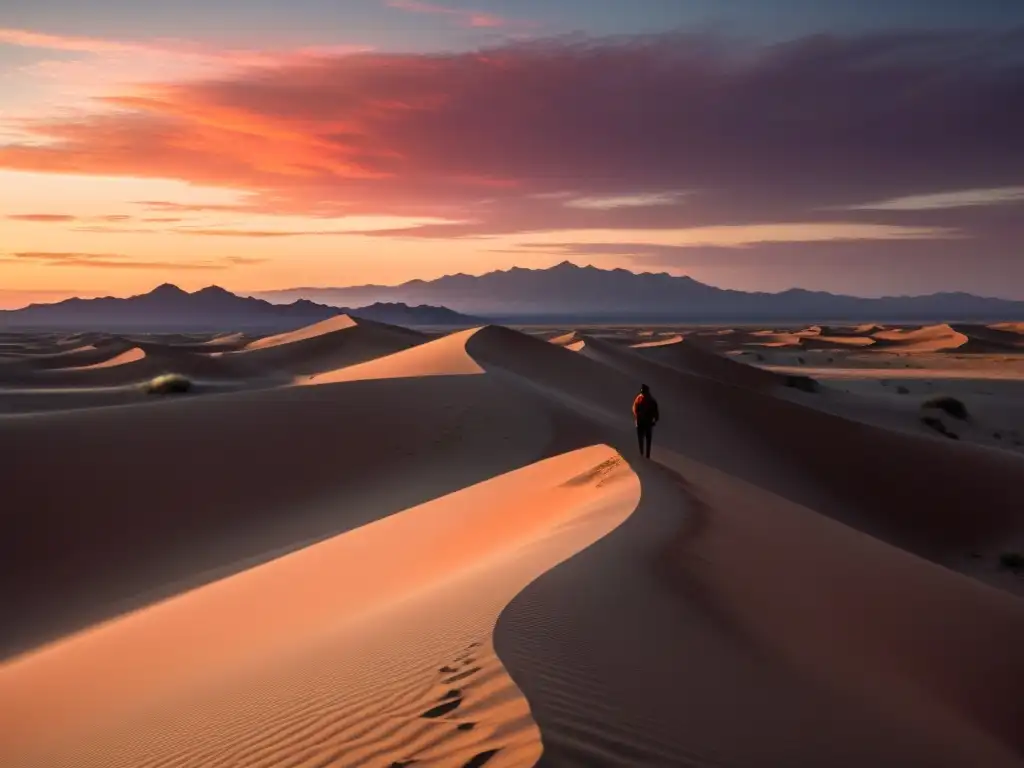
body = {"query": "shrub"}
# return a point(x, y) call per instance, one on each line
point(803, 383)
point(902, 391)
point(949, 405)
point(167, 384)
point(1012, 561)
point(938, 426)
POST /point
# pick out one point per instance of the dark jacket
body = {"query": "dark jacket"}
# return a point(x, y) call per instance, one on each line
point(645, 408)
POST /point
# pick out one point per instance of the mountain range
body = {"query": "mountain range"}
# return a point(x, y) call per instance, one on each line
point(588, 294)
point(169, 308)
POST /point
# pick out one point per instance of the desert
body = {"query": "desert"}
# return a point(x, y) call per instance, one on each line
point(361, 544)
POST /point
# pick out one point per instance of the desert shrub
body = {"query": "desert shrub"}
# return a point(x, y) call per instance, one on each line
point(1012, 561)
point(949, 405)
point(803, 383)
point(167, 384)
point(936, 424)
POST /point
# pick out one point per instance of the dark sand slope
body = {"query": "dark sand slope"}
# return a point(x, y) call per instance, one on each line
point(178, 488)
point(690, 356)
point(721, 625)
point(931, 496)
point(328, 345)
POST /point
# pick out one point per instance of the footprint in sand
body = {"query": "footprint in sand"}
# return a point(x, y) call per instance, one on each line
point(461, 675)
point(449, 705)
point(478, 760)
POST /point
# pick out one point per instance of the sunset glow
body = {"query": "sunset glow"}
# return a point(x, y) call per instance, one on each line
point(422, 139)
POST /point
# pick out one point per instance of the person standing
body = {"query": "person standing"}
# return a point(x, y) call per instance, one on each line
point(645, 416)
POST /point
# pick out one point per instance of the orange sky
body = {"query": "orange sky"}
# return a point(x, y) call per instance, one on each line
point(128, 162)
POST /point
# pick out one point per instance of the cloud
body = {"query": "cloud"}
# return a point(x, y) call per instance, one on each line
point(732, 237)
point(494, 137)
point(462, 17)
point(112, 261)
point(639, 200)
point(256, 233)
point(41, 218)
point(966, 198)
point(179, 49)
point(245, 260)
point(116, 230)
point(164, 206)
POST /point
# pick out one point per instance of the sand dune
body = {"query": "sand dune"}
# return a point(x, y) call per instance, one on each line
point(676, 339)
point(738, 675)
point(982, 339)
point(691, 357)
point(448, 553)
point(410, 648)
point(446, 356)
point(79, 356)
point(175, 510)
point(931, 338)
point(331, 325)
point(323, 347)
point(835, 342)
point(131, 355)
point(565, 339)
point(326, 346)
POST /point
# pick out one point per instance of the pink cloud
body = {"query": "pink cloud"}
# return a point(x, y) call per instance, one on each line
point(180, 49)
point(496, 137)
point(109, 261)
point(463, 17)
point(41, 218)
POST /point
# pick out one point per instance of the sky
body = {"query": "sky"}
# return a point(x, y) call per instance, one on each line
point(870, 148)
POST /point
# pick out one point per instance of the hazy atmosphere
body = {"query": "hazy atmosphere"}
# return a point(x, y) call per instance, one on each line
point(865, 148)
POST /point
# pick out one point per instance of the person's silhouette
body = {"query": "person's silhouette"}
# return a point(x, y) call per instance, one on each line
point(645, 416)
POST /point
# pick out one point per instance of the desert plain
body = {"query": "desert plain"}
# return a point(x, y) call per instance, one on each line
point(356, 544)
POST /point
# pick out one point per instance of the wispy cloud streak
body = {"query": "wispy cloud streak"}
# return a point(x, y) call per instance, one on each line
point(463, 17)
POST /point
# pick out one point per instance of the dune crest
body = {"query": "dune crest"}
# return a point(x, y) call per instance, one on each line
point(133, 355)
point(930, 338)
point(676, 339)
point(446, 356)
point(331, 651)
point(331, 325)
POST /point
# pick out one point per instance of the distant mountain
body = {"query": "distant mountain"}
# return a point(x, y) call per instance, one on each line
point(169, 308)
point(590, 294)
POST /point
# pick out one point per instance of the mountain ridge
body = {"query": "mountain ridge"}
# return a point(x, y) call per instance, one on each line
point(569, 291)
point(169, 308)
